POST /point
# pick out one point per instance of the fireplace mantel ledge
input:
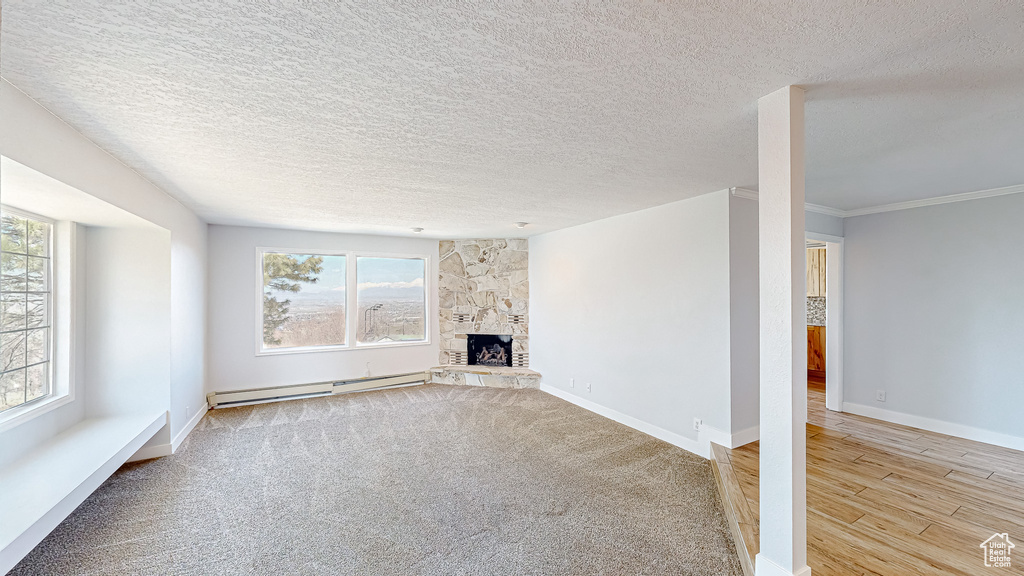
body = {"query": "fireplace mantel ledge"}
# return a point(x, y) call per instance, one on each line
point(477, 369)
point(488, 376)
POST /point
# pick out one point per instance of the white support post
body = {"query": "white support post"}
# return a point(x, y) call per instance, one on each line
point(783, 254)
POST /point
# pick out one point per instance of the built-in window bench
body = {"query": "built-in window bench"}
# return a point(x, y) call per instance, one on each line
point(490, 376)
point(40, 490)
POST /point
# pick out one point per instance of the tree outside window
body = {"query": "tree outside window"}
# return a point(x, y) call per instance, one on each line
point(25, 309)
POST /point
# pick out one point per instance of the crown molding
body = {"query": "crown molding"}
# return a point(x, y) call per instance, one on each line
point(752, 195)
point(827, 210)
point(744, 193)
point(976, 195)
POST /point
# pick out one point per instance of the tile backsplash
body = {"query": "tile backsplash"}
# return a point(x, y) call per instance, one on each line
point(815, 310)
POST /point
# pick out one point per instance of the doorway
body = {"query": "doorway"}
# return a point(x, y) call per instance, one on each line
point(825, 320)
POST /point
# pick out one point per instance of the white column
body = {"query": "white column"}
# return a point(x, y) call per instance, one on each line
point(783, 460)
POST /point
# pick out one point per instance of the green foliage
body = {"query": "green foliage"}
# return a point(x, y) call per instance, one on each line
point(284, 273)
point(13, 229)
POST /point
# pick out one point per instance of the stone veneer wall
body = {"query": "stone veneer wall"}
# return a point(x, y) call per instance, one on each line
point(486, 280)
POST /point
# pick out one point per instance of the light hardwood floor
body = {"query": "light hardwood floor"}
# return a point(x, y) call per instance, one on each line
point(888, 499)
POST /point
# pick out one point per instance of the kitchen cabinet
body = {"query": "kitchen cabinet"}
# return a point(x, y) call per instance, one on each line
point(815, 272)
point(816, 351)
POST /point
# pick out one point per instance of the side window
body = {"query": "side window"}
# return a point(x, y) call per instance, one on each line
point(26, 302)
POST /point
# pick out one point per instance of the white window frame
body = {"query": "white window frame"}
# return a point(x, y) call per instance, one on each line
point(260, 350)
point(61, 343)
point(426, 300)
point(351, 301)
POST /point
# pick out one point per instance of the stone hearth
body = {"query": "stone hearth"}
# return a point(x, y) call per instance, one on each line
point(489, 376)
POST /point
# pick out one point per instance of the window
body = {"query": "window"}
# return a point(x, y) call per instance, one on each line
point(305, 296)
point(303, 300)
point(26, 301)
point(391, 299)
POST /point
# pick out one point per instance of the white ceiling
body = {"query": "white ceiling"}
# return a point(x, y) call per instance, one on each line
point(463, 118)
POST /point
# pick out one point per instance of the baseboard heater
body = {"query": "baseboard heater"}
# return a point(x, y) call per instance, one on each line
point(258, 395)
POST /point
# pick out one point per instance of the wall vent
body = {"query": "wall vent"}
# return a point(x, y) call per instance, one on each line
point(462, 317)
point(520, 359)
point(517, 318)
point(458, 357)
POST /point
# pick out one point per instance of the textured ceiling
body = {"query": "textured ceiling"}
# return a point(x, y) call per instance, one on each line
point(462, 118)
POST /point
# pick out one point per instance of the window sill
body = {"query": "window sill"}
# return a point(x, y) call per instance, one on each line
point(41, 489)
point(302, 350)
point(397, 344)
point(17, 416)
point(346, 348)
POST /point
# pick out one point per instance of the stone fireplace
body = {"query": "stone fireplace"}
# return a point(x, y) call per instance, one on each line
point(484, 288)
point(484, 301)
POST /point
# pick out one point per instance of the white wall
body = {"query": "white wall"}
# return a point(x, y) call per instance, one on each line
point(32, 136)
point(232, 337)
point(935, 314)
point(638, 306)
point(744, 318)
point(127, 330)
point(823, 223)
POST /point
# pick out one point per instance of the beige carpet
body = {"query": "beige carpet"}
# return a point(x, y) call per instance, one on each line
point(420, 480)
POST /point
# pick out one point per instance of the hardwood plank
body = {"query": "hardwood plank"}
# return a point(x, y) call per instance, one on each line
point(733, 503)
point(863, 553)
point(959, 493)
point(987, 522)
point(909, 457)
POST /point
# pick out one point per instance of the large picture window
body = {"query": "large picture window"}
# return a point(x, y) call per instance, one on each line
point(391, 296)
point(25, 309)
point(304, 300)
point(314, 300)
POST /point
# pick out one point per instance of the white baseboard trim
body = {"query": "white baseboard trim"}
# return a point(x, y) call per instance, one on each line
point(161, 450)
point(730, 441)
point(933, 425)
point(709, 434)
point(694, 446)
point(766, 567)
point(746, 436)
point(189, 426)
point(150, 452)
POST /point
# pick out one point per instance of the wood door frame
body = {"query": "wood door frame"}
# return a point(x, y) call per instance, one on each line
point(834, 246)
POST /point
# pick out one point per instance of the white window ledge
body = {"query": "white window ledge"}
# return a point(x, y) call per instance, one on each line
point(39, 491)
point(15, 416)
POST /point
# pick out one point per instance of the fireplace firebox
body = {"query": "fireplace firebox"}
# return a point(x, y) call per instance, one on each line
point(489, 349)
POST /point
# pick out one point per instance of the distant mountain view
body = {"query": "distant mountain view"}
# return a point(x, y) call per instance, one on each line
point(391, 300)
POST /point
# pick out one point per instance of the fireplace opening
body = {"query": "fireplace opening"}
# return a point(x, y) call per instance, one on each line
point(489, 349)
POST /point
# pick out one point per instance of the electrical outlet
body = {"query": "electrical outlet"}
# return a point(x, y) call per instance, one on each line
point(880, 395)
point(572, 382)
point(697, 423)
point(588, 387)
